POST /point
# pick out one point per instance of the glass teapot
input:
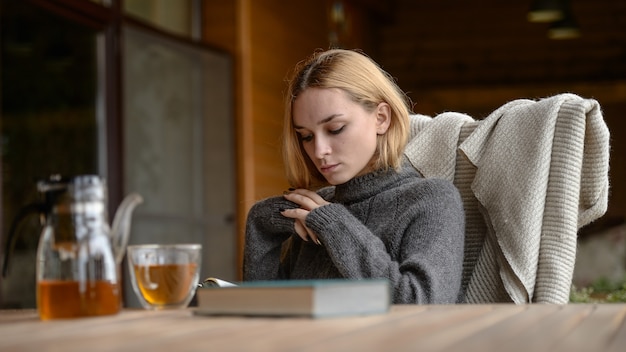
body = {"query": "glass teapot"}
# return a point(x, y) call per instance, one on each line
point(79, 255)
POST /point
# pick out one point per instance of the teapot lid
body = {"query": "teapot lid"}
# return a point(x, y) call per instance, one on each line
point(87, 188)
point(81, 188)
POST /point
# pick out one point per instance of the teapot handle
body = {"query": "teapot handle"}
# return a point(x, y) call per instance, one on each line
point(121, 225)
point(11, 238)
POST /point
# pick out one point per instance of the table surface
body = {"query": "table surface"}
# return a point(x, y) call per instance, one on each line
point(508, 327)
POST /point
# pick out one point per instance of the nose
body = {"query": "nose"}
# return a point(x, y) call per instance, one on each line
point(322, 147)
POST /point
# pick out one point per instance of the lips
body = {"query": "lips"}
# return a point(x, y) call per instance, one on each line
point(328, 168)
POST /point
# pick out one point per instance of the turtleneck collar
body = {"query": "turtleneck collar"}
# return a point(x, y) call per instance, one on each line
point(366, 186)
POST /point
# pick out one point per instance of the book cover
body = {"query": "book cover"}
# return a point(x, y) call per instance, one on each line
point(312, 298)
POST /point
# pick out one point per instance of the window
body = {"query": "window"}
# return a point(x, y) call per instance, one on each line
point(162, 129)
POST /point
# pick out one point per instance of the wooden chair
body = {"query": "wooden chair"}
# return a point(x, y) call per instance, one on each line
point(530, 175)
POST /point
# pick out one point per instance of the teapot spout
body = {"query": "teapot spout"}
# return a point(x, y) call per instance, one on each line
point(121, 225)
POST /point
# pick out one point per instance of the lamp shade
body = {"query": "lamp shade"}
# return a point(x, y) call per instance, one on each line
point(546, 10)
point(566, 28)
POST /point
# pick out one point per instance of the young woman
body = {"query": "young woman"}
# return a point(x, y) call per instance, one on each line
point(355, 210)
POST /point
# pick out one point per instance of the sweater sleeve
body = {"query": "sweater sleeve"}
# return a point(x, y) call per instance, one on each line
point(421, 247)
point(266, 230)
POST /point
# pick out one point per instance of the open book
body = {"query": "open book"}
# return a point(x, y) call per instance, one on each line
point(215, 282)
point(312, 298)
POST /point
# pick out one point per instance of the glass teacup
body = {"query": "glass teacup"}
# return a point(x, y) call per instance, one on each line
point(164, 276)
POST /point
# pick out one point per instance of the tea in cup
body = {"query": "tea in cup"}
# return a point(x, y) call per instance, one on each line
point(164, 275)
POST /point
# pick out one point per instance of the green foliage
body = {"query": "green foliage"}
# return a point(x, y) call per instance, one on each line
point(618, 295)
point(581, 295)
point(601, 291)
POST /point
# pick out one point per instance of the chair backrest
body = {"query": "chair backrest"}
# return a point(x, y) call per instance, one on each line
point(530, 175)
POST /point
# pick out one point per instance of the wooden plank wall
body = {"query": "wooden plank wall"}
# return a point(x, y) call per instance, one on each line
point(266, 38)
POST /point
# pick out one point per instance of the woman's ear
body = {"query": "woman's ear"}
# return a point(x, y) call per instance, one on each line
point(383, 118)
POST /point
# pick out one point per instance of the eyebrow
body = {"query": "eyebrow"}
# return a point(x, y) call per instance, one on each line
point(328, 119)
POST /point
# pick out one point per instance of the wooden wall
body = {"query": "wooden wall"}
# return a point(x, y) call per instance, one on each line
point(266, 38)
point(451, 55)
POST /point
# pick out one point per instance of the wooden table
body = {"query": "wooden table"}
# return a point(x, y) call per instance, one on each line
point(528, 328)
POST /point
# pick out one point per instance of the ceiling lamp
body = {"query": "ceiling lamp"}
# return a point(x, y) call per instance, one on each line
point(546, 11)
point(566, 28)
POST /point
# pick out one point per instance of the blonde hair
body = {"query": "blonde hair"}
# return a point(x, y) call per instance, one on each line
point(367, 84)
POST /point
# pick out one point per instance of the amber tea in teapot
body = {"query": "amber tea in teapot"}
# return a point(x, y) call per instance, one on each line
point(66, 299)
point(79, 255)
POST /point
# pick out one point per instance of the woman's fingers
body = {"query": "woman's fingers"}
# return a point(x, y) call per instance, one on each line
point(296, 213)
point(301, 231)
point(312, 235)
point(302, 200)
point(315, 197)
point(305, 198)
point(305, 233)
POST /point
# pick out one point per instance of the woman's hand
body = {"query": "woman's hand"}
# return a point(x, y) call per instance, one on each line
point(307, 200)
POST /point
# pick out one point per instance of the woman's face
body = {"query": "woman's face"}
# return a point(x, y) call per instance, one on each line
point(338, 135)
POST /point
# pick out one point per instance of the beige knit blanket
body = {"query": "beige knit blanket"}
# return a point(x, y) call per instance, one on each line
point(530, 174)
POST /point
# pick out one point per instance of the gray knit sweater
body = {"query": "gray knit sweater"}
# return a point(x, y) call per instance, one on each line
point(394, 225)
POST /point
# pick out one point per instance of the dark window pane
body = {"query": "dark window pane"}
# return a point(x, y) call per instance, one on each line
point(48, 123)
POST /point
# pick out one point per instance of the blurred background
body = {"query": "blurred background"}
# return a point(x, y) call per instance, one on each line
point(181, 101)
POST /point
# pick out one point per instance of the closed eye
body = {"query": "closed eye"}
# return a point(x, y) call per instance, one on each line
point(337, 131)
point(307, 138)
